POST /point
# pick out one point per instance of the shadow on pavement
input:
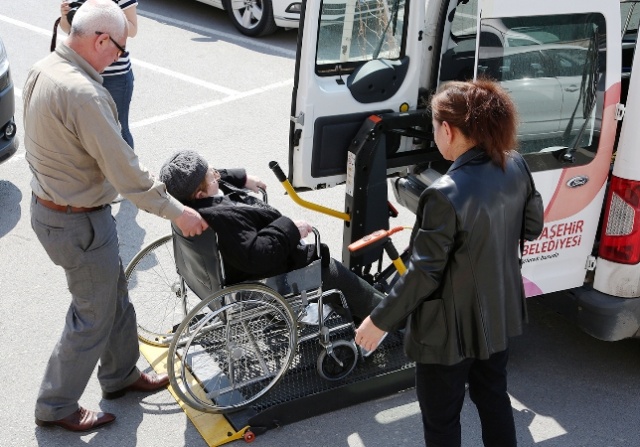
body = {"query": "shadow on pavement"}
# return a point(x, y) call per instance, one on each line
point(10, 212)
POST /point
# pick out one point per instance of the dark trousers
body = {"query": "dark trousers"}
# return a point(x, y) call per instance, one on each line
point(361, 296)
point(441, 390)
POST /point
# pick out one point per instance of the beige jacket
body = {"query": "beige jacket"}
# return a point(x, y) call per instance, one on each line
point(73, 142)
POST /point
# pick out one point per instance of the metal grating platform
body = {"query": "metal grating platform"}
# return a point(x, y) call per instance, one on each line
point(303, 393)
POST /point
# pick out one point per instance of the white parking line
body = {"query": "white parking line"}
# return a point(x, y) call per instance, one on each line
point(397, 413)
point(233, 94)
point(206, 105)
point(156, 68)
point(20, 24)
point(183, 77)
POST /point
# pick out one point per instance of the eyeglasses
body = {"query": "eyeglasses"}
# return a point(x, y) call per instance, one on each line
point(121, 49)
point(203, 187)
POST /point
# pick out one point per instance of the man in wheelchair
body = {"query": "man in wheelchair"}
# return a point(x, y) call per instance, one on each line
point(254, 239)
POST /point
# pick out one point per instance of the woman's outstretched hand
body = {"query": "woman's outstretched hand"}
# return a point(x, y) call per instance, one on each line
point(368, 335)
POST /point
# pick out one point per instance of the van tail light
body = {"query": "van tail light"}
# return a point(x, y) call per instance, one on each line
point(620, 241)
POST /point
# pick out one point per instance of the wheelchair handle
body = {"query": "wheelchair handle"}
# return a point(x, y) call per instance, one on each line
point(316, 233)
point(304, 203)
point(263, 192)
point(381, 238)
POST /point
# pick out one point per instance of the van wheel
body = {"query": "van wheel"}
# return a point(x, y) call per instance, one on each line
point(252, 18)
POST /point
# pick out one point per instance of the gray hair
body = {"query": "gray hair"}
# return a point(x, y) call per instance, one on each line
point(99, 15)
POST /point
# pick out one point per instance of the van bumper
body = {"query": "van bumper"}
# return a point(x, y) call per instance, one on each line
point(8, 148)
point(602, 316)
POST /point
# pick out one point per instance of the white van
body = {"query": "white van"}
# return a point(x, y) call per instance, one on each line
point(359, 117)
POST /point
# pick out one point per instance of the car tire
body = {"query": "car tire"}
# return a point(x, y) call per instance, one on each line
point(253, 18)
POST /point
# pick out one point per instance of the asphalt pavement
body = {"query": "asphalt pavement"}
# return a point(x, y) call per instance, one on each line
point(200, 85)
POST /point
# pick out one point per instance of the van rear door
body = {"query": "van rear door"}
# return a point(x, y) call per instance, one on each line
point(577, 46)
point(355, 58)
point(560, 61)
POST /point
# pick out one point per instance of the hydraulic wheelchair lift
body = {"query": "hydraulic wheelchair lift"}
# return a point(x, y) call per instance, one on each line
point(367, 210)
point(302, 392)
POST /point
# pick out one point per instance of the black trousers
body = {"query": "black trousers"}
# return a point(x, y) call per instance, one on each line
point(441, 390)
point(361, 296)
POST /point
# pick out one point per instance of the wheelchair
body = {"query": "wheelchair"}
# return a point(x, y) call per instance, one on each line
point(228, 345)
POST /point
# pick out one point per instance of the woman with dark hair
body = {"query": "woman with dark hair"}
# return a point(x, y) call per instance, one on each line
point(462, 296)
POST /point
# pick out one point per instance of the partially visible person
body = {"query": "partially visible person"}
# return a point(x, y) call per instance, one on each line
point(462, 295)
point(117, 77)
point(255, 240)
point(79, 163)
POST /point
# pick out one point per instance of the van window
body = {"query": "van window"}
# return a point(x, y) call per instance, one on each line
point(556, 81)
point(552, 66)
point(355, 31)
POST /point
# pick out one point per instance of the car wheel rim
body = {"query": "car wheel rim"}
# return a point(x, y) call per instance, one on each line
point(248, 13)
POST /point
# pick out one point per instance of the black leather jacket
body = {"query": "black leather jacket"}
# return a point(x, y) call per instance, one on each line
point(462, 295)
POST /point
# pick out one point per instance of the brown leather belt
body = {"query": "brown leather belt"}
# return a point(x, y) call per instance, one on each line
point(65, 208)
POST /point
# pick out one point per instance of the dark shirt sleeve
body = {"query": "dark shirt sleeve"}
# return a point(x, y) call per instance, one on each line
point(235, 177)
point(533, 216)
point(432, 244)
point(260, 252)
point(534, 207)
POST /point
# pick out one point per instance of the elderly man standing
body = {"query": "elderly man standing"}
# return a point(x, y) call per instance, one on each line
point(80, 163)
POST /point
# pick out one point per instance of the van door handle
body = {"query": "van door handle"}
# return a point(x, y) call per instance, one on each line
point(571, 88)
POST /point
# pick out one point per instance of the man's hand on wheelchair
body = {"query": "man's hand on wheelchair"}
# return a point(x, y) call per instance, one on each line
point(190, 222)
point(253, 183)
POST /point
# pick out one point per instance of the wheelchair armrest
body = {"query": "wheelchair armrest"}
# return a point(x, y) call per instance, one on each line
point(322, 250)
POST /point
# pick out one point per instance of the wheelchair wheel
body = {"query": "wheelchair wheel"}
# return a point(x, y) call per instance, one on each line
point(232, 348)
point(155, 289)
point(345, 352)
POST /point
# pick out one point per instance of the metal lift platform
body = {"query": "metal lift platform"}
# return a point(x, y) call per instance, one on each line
point(302, 393)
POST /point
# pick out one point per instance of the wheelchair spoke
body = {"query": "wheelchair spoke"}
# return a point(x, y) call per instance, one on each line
point(237, 352)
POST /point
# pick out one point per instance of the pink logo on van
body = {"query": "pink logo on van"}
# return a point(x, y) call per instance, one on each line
point(530, 289)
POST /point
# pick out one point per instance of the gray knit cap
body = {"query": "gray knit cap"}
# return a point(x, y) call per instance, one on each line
point(182, 173)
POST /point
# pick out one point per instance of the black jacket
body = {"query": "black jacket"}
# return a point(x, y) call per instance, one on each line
point(255, 240)
point(463, 293)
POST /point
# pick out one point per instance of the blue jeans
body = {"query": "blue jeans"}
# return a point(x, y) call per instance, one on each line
point(121, 89)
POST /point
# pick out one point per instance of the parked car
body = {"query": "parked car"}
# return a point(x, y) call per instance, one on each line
point(8, 140)
point(257, 18)
point(545, 81)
